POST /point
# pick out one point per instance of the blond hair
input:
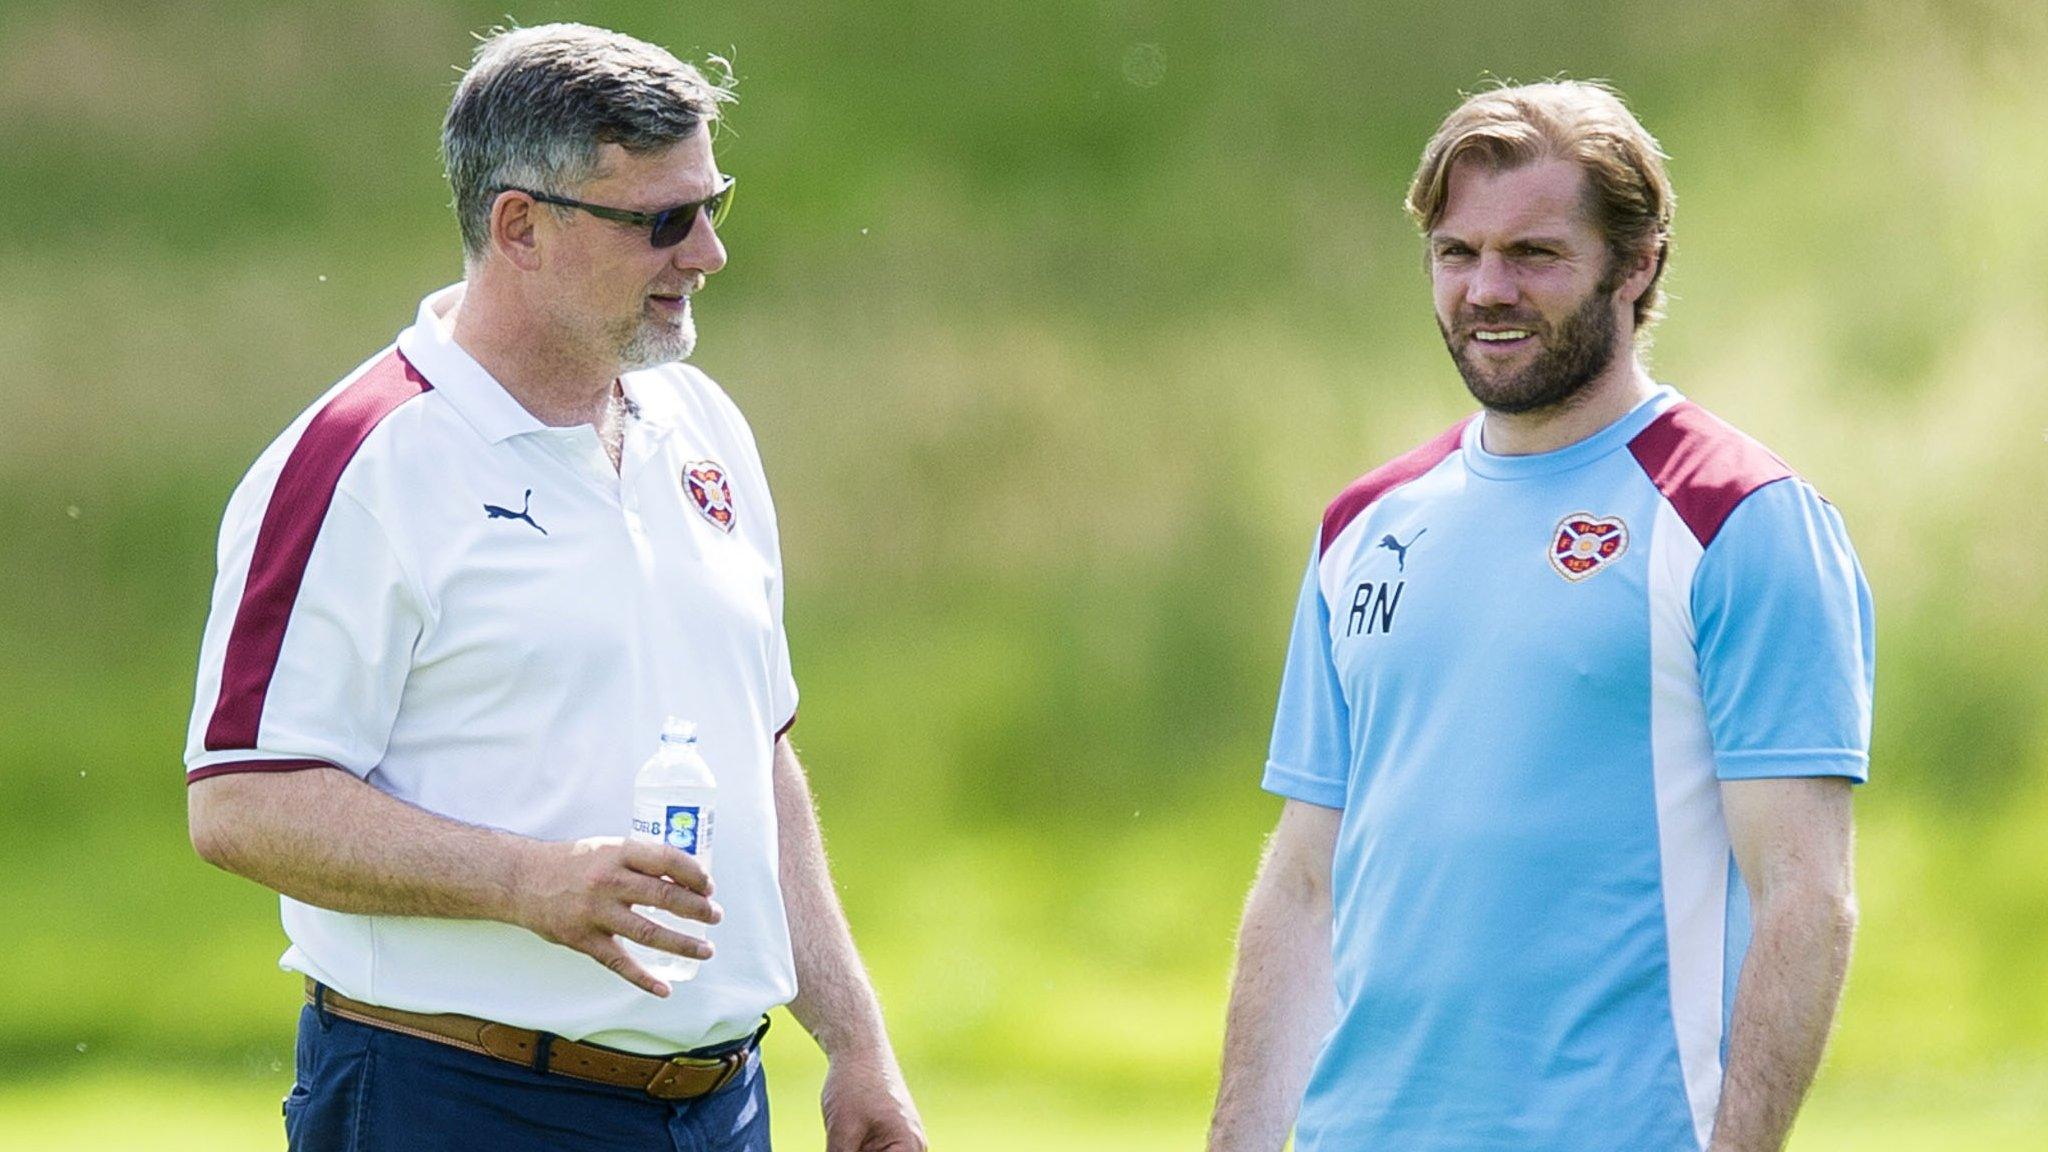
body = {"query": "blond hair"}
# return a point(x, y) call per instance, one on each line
point(1629, 195)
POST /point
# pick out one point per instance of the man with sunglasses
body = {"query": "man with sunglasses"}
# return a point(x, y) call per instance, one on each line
point(457, 599)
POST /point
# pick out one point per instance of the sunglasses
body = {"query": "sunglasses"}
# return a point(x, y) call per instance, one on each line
point(666, 228)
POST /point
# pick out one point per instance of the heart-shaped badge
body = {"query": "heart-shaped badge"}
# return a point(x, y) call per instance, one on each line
point(1583, 544)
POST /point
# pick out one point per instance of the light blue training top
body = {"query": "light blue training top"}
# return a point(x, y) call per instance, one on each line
point(1521, 680)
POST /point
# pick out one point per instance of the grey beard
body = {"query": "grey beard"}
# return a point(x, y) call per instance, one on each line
point(650, 346)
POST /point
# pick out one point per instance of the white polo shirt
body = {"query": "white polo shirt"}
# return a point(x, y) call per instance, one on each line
point(422, 584)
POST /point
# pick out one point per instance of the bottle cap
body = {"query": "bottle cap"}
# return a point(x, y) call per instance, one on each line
point(678, 731)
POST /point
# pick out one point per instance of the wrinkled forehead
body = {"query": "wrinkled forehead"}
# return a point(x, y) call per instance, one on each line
point(1549, 197)
point(677, 174)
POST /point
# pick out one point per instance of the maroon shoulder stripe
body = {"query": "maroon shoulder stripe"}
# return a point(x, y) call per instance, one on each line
point(1385, 478)
point(1704, 466)
point(291, 523)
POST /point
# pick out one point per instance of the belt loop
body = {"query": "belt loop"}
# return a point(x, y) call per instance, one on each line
point(320, 1005)
point(543, 1047)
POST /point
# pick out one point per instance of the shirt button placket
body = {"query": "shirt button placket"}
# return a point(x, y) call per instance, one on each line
point(629, 496)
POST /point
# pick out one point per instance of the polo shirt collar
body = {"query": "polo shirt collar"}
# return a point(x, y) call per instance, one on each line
point(475, 394)
point(655, 406)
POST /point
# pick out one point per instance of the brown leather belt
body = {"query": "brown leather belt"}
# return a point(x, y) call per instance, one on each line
point(683, 1077)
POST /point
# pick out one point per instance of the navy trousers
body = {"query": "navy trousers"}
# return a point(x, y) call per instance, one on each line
point(364, 1089)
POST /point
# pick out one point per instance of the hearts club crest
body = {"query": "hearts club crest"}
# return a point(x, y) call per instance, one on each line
point(1583, 544)
point(710, 489)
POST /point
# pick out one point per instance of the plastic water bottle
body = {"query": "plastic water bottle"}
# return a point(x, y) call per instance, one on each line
point(673, 798)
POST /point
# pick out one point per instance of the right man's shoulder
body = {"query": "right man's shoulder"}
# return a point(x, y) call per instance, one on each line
point(1363, 492)
point(1704, 466)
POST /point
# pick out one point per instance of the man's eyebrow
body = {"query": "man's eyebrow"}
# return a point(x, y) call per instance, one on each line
point(1445, 239)
point(698, 199)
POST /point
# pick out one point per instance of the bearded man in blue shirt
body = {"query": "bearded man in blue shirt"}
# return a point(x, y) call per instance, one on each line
point(1575, 697)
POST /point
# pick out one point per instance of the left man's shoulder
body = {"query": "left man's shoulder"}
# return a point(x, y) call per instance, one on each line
point(1704, 466)
point(681, 396)
point(683, 393)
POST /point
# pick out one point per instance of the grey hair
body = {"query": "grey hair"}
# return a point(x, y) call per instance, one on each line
point(537, 103)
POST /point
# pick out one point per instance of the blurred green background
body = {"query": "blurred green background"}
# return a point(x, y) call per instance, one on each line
point(1058, 323)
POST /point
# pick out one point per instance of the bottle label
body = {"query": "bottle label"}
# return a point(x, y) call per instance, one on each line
point(684, 827)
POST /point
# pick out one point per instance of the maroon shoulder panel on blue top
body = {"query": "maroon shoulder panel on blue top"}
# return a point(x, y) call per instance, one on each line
point(1704, 466)
point(1383, 479)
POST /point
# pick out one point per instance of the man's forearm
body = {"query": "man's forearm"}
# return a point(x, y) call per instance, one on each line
point(835, 1003)
point(1784, 1006)
point(1282, 1000)
point(324, 837)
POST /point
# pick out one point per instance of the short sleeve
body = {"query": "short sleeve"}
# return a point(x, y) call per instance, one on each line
point(1310, 758)
point(1786, 640)
point(782, 681)
point(308, 642)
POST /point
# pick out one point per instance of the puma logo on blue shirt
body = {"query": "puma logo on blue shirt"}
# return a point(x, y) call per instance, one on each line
point(496, 513)
point(1399, 549)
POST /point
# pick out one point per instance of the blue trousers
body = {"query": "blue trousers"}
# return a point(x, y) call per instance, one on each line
point(364, 1089)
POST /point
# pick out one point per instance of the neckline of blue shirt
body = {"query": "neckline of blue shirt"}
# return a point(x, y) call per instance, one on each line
point(1609, 439)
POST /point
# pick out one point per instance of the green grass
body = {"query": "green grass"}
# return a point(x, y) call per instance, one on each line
point(98, 1107)
point(1090, 1020)
point(1052, 373)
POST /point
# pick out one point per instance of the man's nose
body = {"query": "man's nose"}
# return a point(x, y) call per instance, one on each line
point(702, 250)
point(1492, 284)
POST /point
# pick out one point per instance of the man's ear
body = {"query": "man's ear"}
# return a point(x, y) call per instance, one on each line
point(515, 231)
point(1642, 272)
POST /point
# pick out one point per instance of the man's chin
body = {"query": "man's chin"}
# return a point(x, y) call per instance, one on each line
point(652, 347)
point(1509, 393)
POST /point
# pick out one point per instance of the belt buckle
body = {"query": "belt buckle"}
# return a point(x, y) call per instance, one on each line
point(732, 1065)
point(662, 1086)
